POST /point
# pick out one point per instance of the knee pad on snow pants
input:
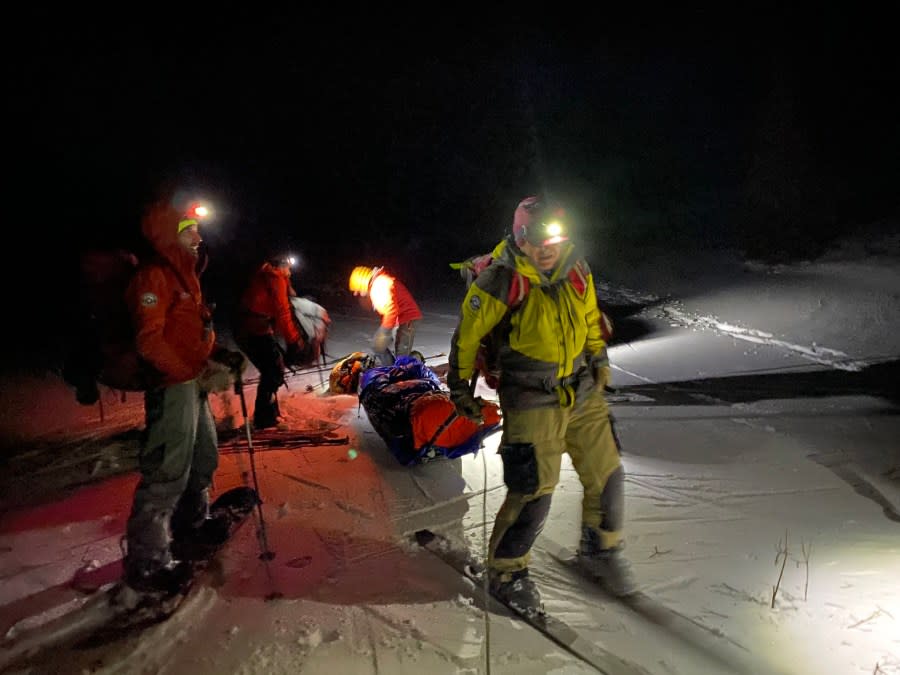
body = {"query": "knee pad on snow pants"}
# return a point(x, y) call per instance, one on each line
point(612, 502)
point(520, 469)
point(516, 540)
point(521, 517)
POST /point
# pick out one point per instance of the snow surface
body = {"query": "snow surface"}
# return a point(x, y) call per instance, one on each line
point(757, 410)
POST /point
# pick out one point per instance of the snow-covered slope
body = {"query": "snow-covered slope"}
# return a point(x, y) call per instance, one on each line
point(763, 501)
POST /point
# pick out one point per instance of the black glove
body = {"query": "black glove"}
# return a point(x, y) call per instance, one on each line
point(467, 404)
point(233, 359)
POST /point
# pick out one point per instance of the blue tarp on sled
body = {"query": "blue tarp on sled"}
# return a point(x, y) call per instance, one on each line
point(390, 394)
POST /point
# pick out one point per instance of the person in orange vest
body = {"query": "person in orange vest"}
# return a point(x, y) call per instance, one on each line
point(265, 313)
point(393, 301)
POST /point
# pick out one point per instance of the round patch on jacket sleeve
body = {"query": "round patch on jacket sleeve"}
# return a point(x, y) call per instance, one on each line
point(475, 303)
point(149, 299)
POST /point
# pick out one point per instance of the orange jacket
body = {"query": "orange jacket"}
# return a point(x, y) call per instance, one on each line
point(266, 307)
point(173, 325)
point(392, 300)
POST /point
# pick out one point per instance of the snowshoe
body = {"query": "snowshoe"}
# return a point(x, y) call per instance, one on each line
point(202, 542)
point(226, 514)
point(150, 596)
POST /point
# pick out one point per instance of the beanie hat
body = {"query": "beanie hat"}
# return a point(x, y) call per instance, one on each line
point(185, 223)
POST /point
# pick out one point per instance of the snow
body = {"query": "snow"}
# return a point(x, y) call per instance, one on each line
point(757, 410)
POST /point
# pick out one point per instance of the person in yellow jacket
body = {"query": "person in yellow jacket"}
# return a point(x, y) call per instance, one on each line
point(553, 369)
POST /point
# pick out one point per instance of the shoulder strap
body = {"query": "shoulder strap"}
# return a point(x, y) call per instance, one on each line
point(518, 289)
point(519, 285)
point(578, 278)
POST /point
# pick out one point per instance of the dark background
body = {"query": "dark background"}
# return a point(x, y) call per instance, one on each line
point(407, 141)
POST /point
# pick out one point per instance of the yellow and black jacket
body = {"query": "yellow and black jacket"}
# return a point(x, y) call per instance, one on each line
point(548, 343)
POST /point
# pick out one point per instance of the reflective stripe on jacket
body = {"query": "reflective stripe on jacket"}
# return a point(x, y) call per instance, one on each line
point(393, 301)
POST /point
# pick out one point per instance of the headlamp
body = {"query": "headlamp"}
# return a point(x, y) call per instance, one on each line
point(195, 214)
point(283, 259)
point(200, 211)
point(546, 233)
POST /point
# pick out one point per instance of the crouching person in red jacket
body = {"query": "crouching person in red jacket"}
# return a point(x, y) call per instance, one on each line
point(398, 310)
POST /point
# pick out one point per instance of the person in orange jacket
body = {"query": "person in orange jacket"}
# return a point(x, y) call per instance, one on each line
point(393, 301)
point(179, 448)
point(265, 314)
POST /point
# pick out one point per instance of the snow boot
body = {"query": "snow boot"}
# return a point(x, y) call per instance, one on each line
point(608, 566)
point(168, 579)
point(277, 423)
point(517, 590)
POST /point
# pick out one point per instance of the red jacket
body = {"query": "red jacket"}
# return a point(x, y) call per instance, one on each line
point(266, 306)
point(173, 325)
point(392, 300)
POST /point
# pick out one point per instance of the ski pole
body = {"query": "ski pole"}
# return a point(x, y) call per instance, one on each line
point(485, 553)
point(266, 554)
point(289, 366)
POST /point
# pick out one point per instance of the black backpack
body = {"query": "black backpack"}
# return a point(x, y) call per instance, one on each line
point(103, 350)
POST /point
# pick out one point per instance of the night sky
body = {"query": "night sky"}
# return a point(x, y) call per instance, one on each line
point(408, 142)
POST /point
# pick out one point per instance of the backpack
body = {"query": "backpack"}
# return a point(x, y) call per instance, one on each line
point(312, 322)
point(103, 349)
point(344, 378)
point(489, 351)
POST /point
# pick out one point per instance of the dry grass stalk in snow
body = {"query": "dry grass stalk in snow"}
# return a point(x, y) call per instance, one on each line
point(781, 553)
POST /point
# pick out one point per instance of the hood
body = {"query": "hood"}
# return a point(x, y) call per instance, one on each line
point(270, 269)
point(160, 227)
